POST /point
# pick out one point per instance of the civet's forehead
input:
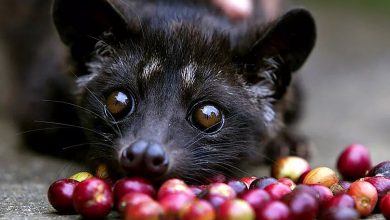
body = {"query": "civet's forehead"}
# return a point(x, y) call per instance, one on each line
point(186, 73)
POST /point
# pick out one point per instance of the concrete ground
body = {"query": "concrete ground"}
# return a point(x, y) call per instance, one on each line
point(348, 100)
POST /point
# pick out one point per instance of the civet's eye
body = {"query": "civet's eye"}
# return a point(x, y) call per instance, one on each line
point(207, 117)
point(119, 104)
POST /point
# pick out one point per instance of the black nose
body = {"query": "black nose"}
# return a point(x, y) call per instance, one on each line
point(145, 158)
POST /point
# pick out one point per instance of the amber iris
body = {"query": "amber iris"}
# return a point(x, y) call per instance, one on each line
point(207, 118)
point(119, 104)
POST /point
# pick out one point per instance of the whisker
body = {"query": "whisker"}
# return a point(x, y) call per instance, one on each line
point(41, 129)
point(105, 157)
point(86, 110)
point(102, 105)
point(225, 166)
point(73, 146)
point(235, 168)
point(192, 179)
point(91, 143)
point(193, 141)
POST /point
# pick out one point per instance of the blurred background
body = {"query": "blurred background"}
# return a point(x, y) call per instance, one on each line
point(346, 79)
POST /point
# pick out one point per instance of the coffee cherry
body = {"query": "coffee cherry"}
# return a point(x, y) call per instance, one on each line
point(287, 182)
point(382, 169)
point(132, 184)
point(235, 209)
point(216, 201)
point(102, 171)
point(174, 204)
point(81, 176)
point(60, 195)
point(365, 196)
point(198, 210)
point(291, 167)
point(221, 189)
point(257, 198)
point(274, 210)
point(384, 206)
point(262, 182)
point(93, 198)
point(131, 199)
point(321, 175)
point(303, 206)
point(148, 210)
point(339, 213)
point(277, 190)
point(354, 162)
point(174, 186)
point(248, 180)
point(238, 186)
point(323, 193)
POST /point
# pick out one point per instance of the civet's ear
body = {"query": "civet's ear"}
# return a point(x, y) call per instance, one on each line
point(81, 22)
point(282, 49)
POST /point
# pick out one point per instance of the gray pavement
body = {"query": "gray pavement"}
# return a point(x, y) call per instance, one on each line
point(348, 100)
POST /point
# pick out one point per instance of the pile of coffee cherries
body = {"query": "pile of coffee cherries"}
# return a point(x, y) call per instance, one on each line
point(294, 192)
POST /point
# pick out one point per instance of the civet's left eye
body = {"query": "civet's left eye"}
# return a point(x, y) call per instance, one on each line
point(207, 117)
point(119, 104)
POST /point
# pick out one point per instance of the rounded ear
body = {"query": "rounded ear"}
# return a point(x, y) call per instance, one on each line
point(80, 23)
point(281, 50)
point(291, 38)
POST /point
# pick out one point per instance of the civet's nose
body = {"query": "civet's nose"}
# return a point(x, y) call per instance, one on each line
point(145, 158)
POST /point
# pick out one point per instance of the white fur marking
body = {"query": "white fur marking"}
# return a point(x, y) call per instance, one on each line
point(150, 68)
point(82, 81)
point(188, 74)
point(268, 114)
